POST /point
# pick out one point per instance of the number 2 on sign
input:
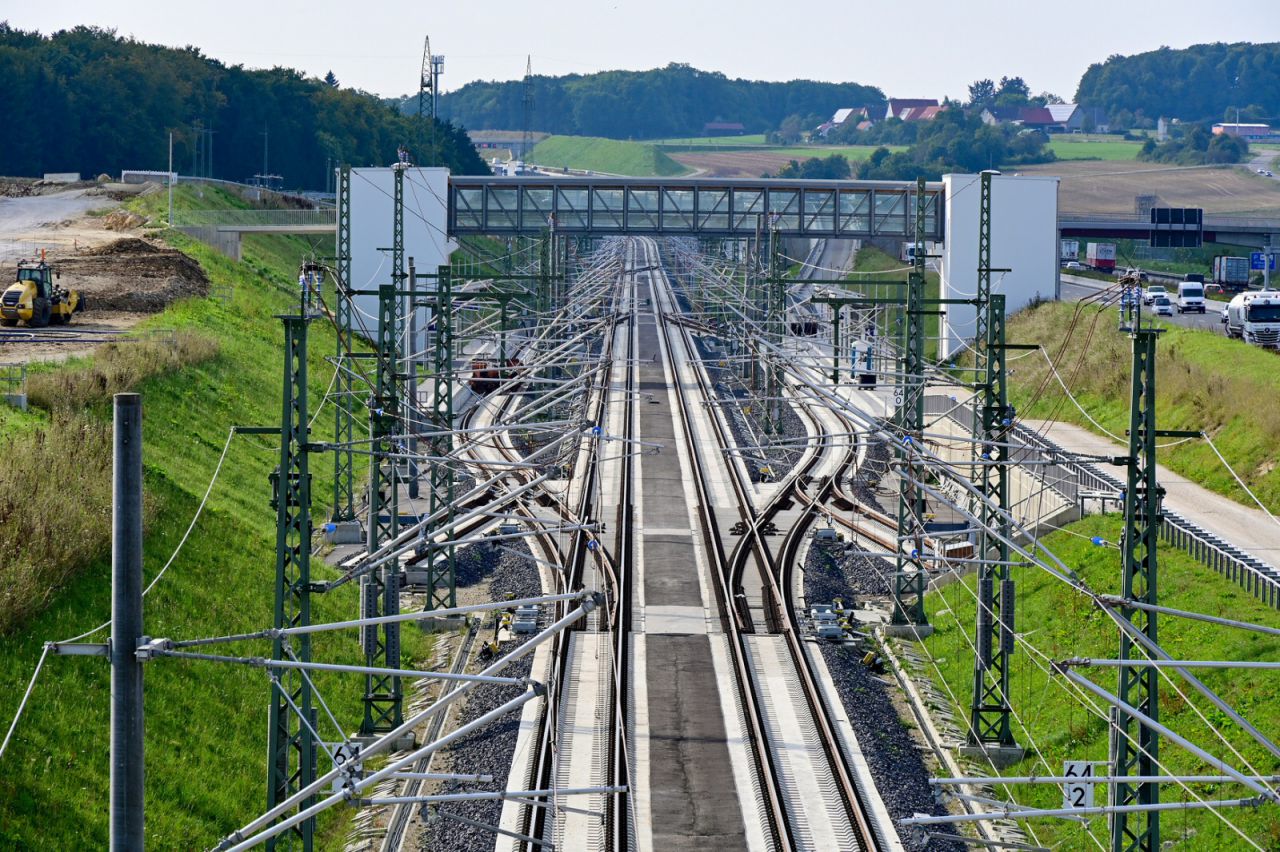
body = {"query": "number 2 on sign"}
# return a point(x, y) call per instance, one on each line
point(1077, 795)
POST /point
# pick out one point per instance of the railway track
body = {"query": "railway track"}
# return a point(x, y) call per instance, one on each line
point(402, 814)
point(807, 797)
point(813, 801)
point(493, 455)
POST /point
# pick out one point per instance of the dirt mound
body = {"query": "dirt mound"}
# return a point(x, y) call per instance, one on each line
point(128, 245)
point(122, 220)
point(132, 275)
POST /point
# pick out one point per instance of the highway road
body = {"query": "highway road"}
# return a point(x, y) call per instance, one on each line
point(1075, 288)
point(1263, 161)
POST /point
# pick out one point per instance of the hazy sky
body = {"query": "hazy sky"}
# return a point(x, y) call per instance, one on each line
point(909, 48)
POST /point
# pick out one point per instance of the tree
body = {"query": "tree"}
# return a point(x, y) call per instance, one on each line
point(663, 102)
point(792, 129)
point(1049, 98)
point(1198, 83)
point(834, 167)
point(982, 93)
point(331, 80)
point(1014, 86)
point(105, 103)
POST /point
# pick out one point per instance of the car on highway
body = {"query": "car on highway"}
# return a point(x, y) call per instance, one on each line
point(1262, 171)
point(1154, 292)
point(1191, 297)
point(1072, 264)
point(1163, 307)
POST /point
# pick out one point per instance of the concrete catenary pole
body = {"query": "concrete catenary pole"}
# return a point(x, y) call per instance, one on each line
point(126, 628)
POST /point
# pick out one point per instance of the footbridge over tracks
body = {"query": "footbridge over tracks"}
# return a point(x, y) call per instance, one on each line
point(705, 207)
point(637, 206)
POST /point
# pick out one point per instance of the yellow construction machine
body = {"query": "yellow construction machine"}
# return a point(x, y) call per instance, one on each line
point(35, 300)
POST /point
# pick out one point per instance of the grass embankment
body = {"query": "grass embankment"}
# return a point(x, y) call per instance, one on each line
point(1182, 260)
point(610, 156)
point(745, 141)
point(65, 448)
point(871, 260)
point(1204, 382)
point(206, 722)
point(853, 153)
point(1060, 624)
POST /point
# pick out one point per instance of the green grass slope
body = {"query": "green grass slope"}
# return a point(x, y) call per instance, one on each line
point(1084, 146)
point(1204, 381)
point(1059, 623)
point(872, 262)
point(206, 722)
point(611, 156)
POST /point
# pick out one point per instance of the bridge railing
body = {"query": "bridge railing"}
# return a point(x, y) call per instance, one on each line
point(1078, 482)
point(1216, 220)
point(1259, 578)
point(254, 218)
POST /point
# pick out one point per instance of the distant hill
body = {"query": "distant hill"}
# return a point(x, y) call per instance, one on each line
point(87, 100)
point(677, 100)
point(1199, 83)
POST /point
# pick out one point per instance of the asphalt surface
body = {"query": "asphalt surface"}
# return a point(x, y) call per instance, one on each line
point(1263, 161)
point(1075, 288)
point(22, 218)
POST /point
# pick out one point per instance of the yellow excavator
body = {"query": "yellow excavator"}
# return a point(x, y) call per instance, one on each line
point(35, 300)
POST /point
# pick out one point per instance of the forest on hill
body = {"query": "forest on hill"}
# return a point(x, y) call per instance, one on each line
point(677, 100)
point(1204, 82)
point(88, 100)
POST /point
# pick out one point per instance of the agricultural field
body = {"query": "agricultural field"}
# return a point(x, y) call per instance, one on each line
point(732, 156)
point(710, 141)
point(606, 156)
point(1087, 146)
point(1111, 186)
point(752, 162)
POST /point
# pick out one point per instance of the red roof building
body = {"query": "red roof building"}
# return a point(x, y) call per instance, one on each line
point(899, 106)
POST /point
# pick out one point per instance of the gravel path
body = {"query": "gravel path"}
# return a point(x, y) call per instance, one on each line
point(891, 751)
point(862, 483)
point(489, 749)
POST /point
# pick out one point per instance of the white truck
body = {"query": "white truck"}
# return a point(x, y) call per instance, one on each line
point(1255, 318)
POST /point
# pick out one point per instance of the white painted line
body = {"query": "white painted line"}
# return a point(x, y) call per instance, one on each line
point(641, 801)
point(745, 780)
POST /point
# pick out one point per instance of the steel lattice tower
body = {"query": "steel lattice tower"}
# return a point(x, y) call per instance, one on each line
point(989, 713)
point(291, 761)
point(909, 577)
point(344, 508)
point(1139, 686)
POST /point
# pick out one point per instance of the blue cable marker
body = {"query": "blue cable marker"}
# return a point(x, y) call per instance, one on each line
point(1098, 540)
point(915, 554)
point(593, 545)
point(597, 431)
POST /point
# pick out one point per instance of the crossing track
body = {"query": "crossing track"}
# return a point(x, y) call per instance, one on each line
point(490, 454)
point(402, 814)
point(775, 684)
point(807, 794)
